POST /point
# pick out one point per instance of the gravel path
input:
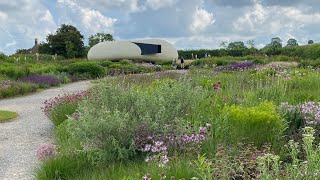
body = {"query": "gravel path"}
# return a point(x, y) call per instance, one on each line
point(20, 138)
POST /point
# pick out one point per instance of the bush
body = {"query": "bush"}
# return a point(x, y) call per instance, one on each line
point(258, 125)
point(86, 69)
point(17, 88)
point(109, 121)
point(13, 71)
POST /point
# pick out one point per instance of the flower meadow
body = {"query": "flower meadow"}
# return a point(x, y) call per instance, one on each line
point(249, 123)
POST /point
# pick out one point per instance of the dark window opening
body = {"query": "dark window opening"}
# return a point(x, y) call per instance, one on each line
point(148, 48)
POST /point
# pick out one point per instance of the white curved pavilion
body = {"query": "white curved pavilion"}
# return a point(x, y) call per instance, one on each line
point(145, 50)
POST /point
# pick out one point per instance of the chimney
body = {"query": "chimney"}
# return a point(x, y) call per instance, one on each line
point(36, 41)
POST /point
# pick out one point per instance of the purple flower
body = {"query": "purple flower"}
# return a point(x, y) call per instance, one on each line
point(45, 150)
point(42, 80)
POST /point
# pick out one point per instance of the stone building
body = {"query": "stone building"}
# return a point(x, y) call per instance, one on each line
point(35, 48)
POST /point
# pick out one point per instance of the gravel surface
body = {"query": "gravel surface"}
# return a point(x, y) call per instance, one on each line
point(20, 138)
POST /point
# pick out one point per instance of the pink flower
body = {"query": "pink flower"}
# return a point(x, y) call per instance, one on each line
point(45, 150)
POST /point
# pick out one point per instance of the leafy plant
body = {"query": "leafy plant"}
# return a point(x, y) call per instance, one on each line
point(258, 125)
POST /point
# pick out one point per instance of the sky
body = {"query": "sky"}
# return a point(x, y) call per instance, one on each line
point(188, 24)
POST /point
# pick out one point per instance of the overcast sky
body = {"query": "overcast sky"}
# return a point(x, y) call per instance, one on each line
point(188, 24)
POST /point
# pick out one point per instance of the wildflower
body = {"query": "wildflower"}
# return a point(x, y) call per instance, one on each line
point(147, 147)
point(146, 177)
point(208, 124)
point(45, 150)
point(216, 86)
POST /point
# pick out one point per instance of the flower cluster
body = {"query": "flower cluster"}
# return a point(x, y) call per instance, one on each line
point(311, 112)
point(158, 146)
point(238, 66)
point(45, 150)
point(42, 80)
point(65, 98)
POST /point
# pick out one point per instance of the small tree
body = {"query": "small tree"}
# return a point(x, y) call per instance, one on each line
point(251, 43)
point(292, 42)
point(310, 41)
point(22, 51)
point(276, 42)
point(223, 44)
point(99, 37)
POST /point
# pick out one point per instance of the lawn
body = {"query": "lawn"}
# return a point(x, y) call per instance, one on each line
point(7, 115)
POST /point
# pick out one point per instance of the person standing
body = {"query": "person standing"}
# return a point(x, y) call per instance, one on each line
point(182, 62)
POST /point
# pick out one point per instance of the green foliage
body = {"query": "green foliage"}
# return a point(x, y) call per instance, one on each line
point(62, 111)
point(63, 167)
point(13, 71)
point(99, 37)
point(17, 88)
point(67, 42)
point(109, 120)
point(203, 168)
point(258, 125)
point(2, 56)
point(86, 69)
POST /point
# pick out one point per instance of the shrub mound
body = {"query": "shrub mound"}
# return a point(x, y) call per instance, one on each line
point(86, 70)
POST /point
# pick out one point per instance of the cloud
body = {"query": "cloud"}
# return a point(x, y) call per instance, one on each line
point(21, 22)
point(129, 6)
point(232, 3)
point(200, 20)
point(283, 21)
point(157, 4)
point(92, 20)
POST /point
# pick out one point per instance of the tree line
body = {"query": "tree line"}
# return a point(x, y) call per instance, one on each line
point(275, 47)
point(67, 41)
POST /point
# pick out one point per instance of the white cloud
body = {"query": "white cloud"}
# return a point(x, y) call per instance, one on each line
point(103, 5)
point(157, 4)
point(200, 20)
point(3, 17)
point(10, 44)
point(274, 19)
point(92, 20)
point(23, 21)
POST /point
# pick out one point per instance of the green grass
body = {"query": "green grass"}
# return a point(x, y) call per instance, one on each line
point(7, 115)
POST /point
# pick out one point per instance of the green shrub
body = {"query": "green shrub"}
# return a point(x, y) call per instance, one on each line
point(17, 88)
point(110, 118)
point(86, 69)
point(14, 72)
point(61, 112)
point(258, 125)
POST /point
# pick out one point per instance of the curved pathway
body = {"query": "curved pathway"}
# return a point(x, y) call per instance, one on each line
point(20, 138)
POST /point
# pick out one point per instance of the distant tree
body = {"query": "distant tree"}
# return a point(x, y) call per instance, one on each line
point(44, 48)
point(99, 37)
point(310, 42)
point(2, 56)
point(236, 45)
point(22, 51)
point(223, 44)
point(71, 53)
point(276, 42)
point(251, 43)
point(292, 42)
point(67, 41)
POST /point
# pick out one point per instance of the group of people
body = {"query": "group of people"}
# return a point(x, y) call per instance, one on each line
point(174, 63)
